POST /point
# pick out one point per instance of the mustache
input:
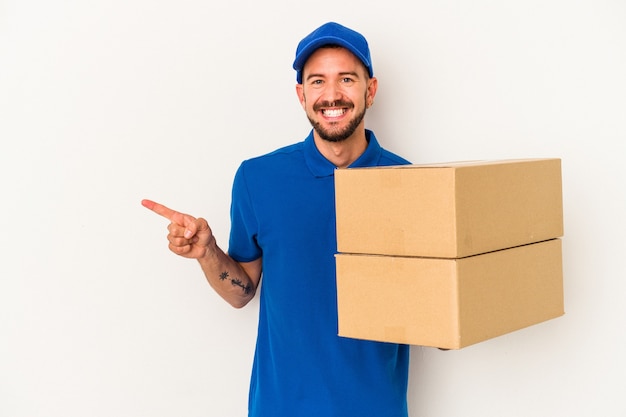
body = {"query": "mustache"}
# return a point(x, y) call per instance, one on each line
point(336, 103)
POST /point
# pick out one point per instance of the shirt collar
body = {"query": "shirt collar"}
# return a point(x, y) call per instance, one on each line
point(322, 167)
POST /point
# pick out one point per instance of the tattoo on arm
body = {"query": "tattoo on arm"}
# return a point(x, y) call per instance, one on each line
point(235, 282)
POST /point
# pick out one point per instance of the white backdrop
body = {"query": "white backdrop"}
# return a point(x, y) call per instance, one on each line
point(106, 102)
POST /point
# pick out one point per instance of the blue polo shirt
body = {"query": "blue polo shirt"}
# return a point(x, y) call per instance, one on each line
point(283, 209)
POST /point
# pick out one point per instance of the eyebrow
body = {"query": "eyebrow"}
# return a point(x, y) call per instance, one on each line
point(341, 74)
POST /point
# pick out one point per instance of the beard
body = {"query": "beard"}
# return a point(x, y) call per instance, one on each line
point(335, 134)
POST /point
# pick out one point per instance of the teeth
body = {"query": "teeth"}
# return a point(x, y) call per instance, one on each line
point(333, 112)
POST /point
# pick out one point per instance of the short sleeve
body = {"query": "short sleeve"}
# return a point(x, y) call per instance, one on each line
point(243, 246)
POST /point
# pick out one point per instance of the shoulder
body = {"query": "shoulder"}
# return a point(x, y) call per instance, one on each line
point(389, 158)
point(276, 163)
point(379, 155)
point(286, 152)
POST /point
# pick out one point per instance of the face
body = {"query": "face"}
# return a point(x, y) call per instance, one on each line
point(335, 93)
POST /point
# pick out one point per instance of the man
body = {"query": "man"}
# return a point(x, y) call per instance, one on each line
point(283, 229)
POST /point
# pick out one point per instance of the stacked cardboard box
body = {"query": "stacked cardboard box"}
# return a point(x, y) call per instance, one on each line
point(448, 255)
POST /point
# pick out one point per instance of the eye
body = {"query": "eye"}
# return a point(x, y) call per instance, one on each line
point(316, 82)
point(347, 80)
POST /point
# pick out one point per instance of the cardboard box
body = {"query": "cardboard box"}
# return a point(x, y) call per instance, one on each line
point(448, 303)
point(448, 210)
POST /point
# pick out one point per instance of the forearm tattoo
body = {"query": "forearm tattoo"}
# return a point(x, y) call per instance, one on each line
point(236, 282)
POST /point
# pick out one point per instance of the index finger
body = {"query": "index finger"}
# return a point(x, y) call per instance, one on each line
point(160, 209)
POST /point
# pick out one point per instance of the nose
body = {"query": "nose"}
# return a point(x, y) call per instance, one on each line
point(332, 93)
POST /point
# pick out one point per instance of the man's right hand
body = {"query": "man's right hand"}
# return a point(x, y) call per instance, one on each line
point(188, 236)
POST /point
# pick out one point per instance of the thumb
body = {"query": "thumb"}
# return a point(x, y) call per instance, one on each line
point(191, 228)
point(195, 226)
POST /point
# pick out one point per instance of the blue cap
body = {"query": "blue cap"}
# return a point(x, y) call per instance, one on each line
point(332, 33)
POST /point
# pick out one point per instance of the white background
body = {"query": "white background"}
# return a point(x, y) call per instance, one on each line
point(106, 102)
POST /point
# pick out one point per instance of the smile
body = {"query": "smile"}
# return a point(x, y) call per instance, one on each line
point(333, 112)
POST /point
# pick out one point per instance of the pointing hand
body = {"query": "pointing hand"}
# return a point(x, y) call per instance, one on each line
point(188, 236)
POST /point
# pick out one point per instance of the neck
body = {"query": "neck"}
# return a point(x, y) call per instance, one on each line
point(342, 154)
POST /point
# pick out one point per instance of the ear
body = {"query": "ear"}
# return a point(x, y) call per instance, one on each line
point(372, 87)
point(300, 93)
